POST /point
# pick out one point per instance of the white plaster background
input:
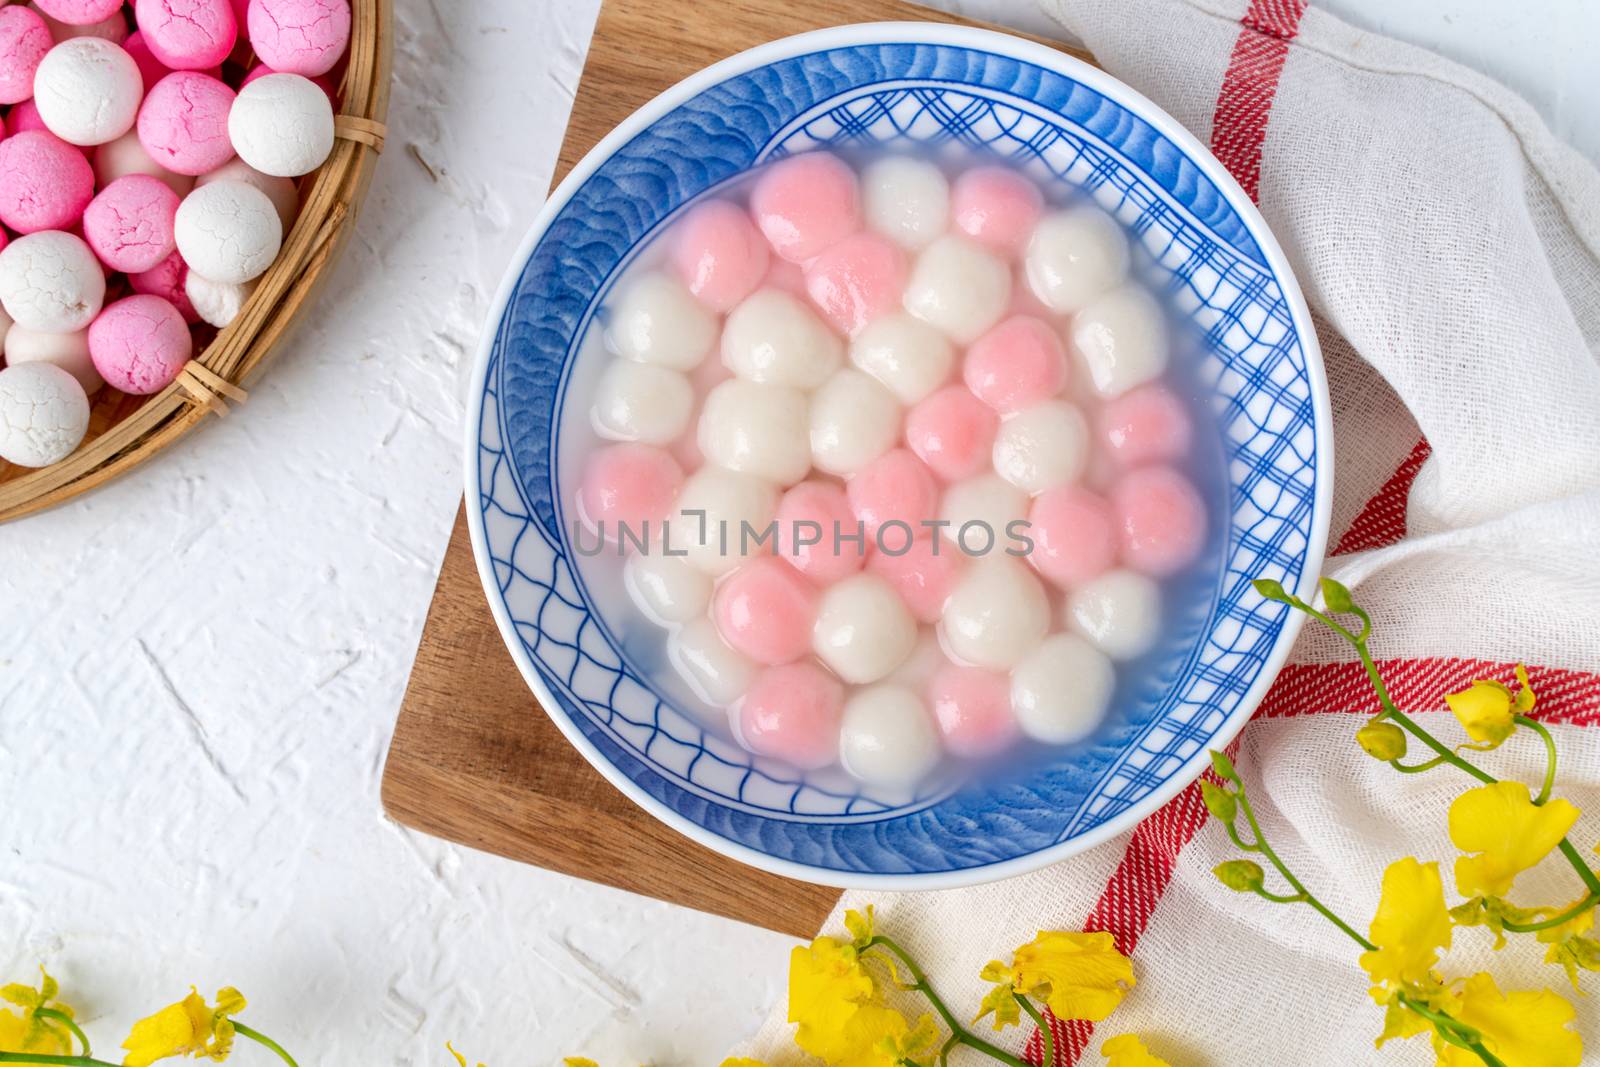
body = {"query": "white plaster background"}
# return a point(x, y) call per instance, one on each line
point(200, 665)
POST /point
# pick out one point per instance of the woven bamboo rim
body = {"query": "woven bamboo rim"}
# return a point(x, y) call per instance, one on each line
point(125, 431)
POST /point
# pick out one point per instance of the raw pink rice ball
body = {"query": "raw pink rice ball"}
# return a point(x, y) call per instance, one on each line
point(129, 223)
point(972, 707)
point(1160, 519)
point(805, 203)
point(80, 12)
point(997, 207)
point(857, 280)
point(895, 487)
point(627, 484)
point(24, 116)
point(187, 34)
point(924, 574)
point(45, 183)
point(765, 610)
point(139, 344)
point(24, 39)
point(166, 280)
point(815, 509)
point(1074, 535)
point(299, 36)
point(793, 713)
point(113, 28)
point(718, 252)
point(953, 431)
point(183, 122)
point(324, 82)
point(1016, 365)
point(151, 69)
point(1146, 425)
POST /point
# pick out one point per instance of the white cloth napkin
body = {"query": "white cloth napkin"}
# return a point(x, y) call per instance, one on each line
point(1450, 247)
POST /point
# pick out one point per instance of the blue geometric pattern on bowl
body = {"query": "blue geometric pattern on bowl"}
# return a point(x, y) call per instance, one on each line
point(929, 93)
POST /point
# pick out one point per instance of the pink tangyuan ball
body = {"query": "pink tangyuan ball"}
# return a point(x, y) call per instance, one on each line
point(183, 123)
point(627, 485)
point(129, 223)
point(1016, 365)
point(997, 207)
point(857, 280)
point(299, 36)
point(24, 40)
point(1074, 535)
point(139, 344)
point(765, 611)
point(79, 12)
point(819, 534)
point(1161, 520)
point(719, 254)
point(24, 116)
point(321, 81)
point(924, 574)
point(1146, 425)
point(166, 280)
point(896, 486)
point(187, 34)
point(953, 432)
point(793, 713)
point(45, 183)
point(806, 203)
point(972, 707)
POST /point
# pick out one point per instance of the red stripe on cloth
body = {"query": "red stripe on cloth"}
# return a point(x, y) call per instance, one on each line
point(1136, 886)
point(1383, 520)
point(1239, 126)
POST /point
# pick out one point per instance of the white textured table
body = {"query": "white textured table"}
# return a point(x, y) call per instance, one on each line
point(200, 665)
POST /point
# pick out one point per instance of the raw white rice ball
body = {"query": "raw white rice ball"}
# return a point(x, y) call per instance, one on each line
point(958, 286)
point(863, 629)
point(282, 125)
point(716, 673)
point(69, 351)
point(1120, 611)
point(228, 231)
point(773, 337)
point(217, 303)
point(907, 200)
point(1121, 338)
point(997, 614)
point(728, 500)
point(126, 155)
point(642, 402)
point(657, 320)
point(1074, 256)
point(1061, 692)
point(43, 414)
point(887, 737)
point(1042, 447)
point(665, 588)
point(88, 91)
point(905, 354)
point(990, 504)
point(50, 281)
point(281, 191)
point(854, 420)
point(758, 429)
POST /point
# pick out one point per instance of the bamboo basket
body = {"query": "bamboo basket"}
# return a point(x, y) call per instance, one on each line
point(125, 431)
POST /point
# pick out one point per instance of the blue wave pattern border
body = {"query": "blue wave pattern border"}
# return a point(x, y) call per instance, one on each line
point(931, 94)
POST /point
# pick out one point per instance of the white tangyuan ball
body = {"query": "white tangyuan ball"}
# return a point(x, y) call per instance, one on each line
point(51, 282)
point(217, 303)
point(959, 287)
point(228, 231)
point(1074, 256)
point(996, 615)
point(1060, 693)
point(280, 191)
point(907, 200)
point(1121, 338)
point(773, 337)
point(979, 510)
point(854, 420)
point(665, 588)
point(758, 429)
point(886, 737)
point(43, 414)
point(88, 91)
point(716, 673)
point(69, 351)
point(1042, 447)
point(863, 629)
point(657, 320)
point(642, 402)
point(712, 508)
point(1120, 611)
point(127, 155)
point(5, 325)
point(905, 354)
point(282, 125)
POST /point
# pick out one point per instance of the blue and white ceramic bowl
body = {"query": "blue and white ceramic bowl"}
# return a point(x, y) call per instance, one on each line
point(879, 83)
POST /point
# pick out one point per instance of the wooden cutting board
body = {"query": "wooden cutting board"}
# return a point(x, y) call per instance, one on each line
point(473, 758)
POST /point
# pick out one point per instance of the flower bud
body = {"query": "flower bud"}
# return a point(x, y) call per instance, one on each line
point(1223, 766)
point(1219, 801)
point(1336, 596)
point(1270, 589)
point(1382, 740)
point(1241, 876)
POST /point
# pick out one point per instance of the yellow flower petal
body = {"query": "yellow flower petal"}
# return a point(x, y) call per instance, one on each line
point(570, 1061)
point(827, 983)
point(1410, 925)
point(1001, 1001)
point(1522, 1028)
point(169, 1032)
point(860, 925)
point(1127, 1050)
point(1485, 711)
point(1080, 976)
point(1510, 834)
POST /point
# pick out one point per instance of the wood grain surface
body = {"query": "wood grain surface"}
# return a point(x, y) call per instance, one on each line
point(474, 759)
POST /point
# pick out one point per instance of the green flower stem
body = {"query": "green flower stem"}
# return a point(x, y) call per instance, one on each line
point(64, 1061)
point(1454, 1031)
point(1044, 1029)
point(1294, 898)
point(262, 1039)
point(958, 1033)
point(1549, 756)
point(1573, 912)
point(945, 1049)
point(1416, 768)
point(66, 1020)
point(1237, 840)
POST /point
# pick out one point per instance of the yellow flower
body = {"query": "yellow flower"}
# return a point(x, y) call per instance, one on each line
point(1487, 709)
point(187, 1028)
point(861, 926)
point(1126, 1050)
point(1510, 834)
point(1568, 947)
point(898, 1043)
point(570, 1062)
point(1494, 913)
point(834, 1001)
point(1522, 1028)
point(1410, 925)
point(1000, 1000)
point(1080, 976)
point(28, 1031)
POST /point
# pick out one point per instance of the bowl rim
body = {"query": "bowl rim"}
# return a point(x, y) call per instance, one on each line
point(1071, 67)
